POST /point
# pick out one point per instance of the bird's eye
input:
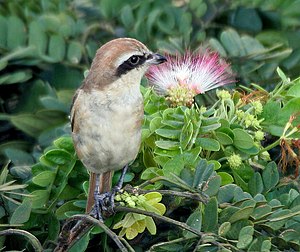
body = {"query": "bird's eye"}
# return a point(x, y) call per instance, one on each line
point(134, 60)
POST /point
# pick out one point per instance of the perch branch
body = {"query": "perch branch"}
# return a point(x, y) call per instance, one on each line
point(84, 223)
point(193, 196)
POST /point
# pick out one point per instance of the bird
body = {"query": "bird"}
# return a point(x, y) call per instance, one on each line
point(106, 116)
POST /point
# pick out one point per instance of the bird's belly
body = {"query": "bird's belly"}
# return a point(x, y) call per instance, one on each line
point(109, 137)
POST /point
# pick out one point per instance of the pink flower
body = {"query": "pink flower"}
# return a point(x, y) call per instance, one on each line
point(185, 76)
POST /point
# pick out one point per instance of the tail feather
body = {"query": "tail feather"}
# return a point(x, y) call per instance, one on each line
point(104, 186)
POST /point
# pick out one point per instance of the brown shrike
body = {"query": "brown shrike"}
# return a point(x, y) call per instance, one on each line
point(107, 114)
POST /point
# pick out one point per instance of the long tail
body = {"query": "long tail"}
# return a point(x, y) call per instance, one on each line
point(104, 186)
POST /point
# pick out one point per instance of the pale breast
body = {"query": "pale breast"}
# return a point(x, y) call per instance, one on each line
point(107, 133)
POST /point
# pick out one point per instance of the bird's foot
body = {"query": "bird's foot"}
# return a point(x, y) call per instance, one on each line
point(105, 202)
point(100, 206)
point(116, 189)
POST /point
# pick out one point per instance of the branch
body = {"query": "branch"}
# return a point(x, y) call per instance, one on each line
point(81, 227)
point(190, 195)
point(33, 240)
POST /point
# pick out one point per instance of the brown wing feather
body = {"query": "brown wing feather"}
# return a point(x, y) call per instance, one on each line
point(73, 106)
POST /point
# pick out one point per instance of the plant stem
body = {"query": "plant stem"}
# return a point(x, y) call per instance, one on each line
point(271, 146)
point(194, 196)
point(33, 240)
point(81, 227)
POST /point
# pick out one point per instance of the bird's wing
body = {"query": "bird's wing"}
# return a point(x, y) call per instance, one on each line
point(73, 109)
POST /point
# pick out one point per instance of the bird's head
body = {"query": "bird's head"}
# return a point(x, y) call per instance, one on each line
point(125, 58)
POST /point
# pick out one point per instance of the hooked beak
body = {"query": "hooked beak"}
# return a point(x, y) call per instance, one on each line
point(156, 59)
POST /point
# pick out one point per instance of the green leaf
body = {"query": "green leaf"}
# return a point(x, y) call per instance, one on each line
point(167, 145)
point(226, 193)
point(270, 176)
point(67, 207)
point(3, 33)
point(208, 144)
point(155, 123)
point(202, 173)
point(172, 123)
point(131, 232)
point(18, 157)
point(242, 139)
point(194, 221)
point(65, 143)
point(3, 64)
point(213, 185)
point(191, 157)
point(282, 75)
point(81, 244)
point(224, 228)
point(216, 164)
point(209, 128)
point(223, 138)
point(242, 214)
point(54, 227)
point(255, 184)
point(232, 43)
point(39, 198)
point(16, 34)
point(37, 37)
point(153, 197)
point(246, 19)
point(44, 178)
point(186, 135)
point(16, 77)
point(28, 123)
point(294, 90)
point(74, 53)
point(290, 235)
point(127, 16)
point(245, 237)
point(290, 108)
point(151, 172)
point(150, 225)
point(168, 133)
point(226, 178)
point(57, 48)
point(21, 213)
point(210, 220)
point(174, 165)
point(58, 156)
point(261, 212)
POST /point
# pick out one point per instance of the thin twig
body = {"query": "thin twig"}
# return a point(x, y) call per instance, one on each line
point(193, 196)
point(127, 244)
point(182, 239)
point(33, 240)
point(81, 227)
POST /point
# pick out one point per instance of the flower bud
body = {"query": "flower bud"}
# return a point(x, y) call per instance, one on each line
point(234, 161)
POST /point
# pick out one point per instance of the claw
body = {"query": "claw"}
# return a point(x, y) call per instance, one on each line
point(105, 202)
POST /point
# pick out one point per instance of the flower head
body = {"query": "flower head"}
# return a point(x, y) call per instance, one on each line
point(234, 161)
point(194, 73)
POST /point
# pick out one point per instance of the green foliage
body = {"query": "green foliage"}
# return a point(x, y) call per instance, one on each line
point(220, 149)
point(133, 223)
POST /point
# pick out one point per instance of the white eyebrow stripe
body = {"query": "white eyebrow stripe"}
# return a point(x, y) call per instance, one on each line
point(125, 57)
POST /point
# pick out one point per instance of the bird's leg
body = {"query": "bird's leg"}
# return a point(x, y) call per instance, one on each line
point(105, 201)
point(117, 188)
point(99, 201)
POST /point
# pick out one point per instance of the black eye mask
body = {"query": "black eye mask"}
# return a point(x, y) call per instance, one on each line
point(133, 62)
